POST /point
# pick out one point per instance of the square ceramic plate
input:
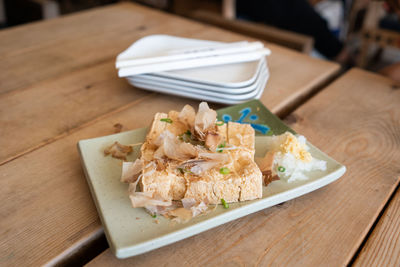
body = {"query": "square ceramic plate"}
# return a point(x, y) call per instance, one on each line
point(132, 231)
point(205, 87)
point(230, 75)
point(204, 95)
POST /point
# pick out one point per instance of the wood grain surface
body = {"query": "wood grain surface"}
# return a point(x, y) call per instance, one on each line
point(65, 97)
point(383, 246)
point(59, 86)
point(356, 120)
point(47, 209)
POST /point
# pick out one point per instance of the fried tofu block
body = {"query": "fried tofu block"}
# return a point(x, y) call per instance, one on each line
point(251, 182)
point(158, 183)
point(227, 189)
point(201, 190)
point(223, 131)
point(234, 189)
point(244, 181)
point(241, 135)
point(165, 184)
point(178, 187)
point(157, 126)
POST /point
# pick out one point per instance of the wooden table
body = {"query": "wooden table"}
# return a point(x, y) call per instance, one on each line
point(58, 85)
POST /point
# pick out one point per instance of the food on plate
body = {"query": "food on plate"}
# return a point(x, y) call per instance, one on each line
point(118, 151)
point(287, 158)
point(190, 160)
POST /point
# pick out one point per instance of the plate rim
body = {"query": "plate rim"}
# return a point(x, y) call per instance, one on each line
point(181, 88)
point(231, 90)
point(157, 88)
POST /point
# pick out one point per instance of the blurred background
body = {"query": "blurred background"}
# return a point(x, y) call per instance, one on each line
point(361, 33)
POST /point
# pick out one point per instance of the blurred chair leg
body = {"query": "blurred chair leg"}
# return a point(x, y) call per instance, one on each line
point(229, 9)
point(3, 19)
point(363, 56)
point(50, 9)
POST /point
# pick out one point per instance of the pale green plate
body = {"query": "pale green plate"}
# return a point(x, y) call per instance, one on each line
point(132, 231)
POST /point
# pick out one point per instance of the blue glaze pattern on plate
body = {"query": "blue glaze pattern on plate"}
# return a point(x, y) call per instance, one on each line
point(244, 114)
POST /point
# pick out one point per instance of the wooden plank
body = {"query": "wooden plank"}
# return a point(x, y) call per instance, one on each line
point(383, 246)
point(52, 109)
point(47, 211)
point(40, 51)
point(95, 89)
point(356, 121)
point(297, 41)
point(290, 82)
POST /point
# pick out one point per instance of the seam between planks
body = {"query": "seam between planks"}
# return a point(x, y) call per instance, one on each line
point(371, 229)
point(38, 23)
point(82, 252)
point(121, 5)
point(303, 98)
point(56, 76)
point(73, 130)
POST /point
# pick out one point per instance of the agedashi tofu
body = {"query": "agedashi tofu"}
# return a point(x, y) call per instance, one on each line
point(185, 159)
point(190, 160)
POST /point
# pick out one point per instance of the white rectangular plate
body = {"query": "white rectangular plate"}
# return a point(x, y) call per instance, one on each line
point(201, 94)
point(227, 75)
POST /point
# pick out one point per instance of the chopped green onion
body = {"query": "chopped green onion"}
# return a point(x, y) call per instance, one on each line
point(281, 169)
point(188, 132)
point(154, 215)
point(226, 206)
point(269, 133)
point(181, 170)
point(224, 170)
point(219, 123)
point(167, 120)
point(220, 146)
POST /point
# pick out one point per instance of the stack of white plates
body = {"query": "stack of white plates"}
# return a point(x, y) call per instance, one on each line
point(223, 83)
